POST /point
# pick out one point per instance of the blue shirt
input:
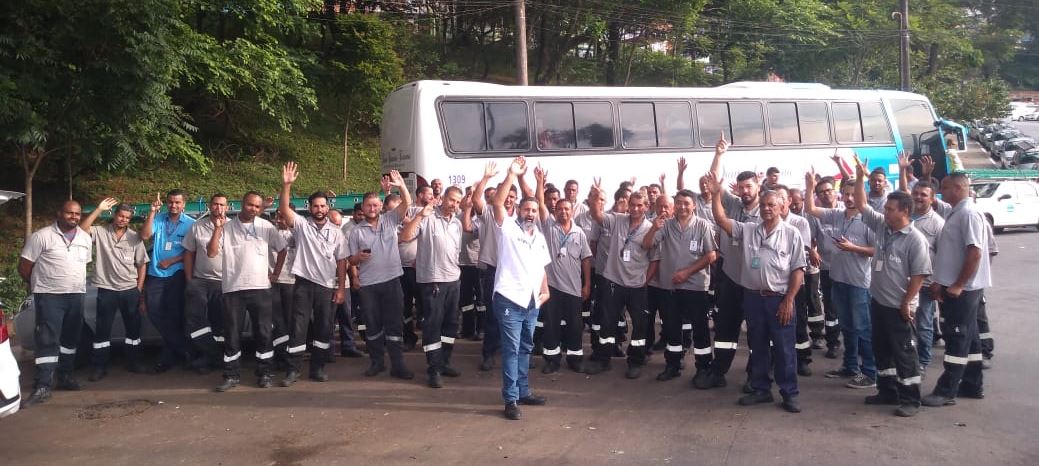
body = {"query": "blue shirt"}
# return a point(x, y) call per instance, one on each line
point(167, 242)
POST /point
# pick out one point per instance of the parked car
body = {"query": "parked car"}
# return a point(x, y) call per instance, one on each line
point(1011, 147)
point(1026, 160)
point(994, 142)
point(1034, 116)
point(10, 389)
point(1008, 203)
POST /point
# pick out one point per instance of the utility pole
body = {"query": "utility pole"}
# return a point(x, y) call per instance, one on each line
point(521, 43)
point(903, 56)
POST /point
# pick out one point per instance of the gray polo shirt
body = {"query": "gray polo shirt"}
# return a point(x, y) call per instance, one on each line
point(409, 249)
point(117, 258)
point(877, 203)
point(679, 247)
point(245, 247)
point(593, 231)
point(285, 277)
point(703, 209)
point(931, 225)
point(823, 245)
point(317, 250)
point(628, 262)
point(567, 250)
point(965, 226)
point(847, 267)
point(439, 242)
point(900, 255)
point(384, 264)
point(196, 242)
point(489, 237)
point(730, 248)
point(60, 265)
point(768, 258)
point(470, 255)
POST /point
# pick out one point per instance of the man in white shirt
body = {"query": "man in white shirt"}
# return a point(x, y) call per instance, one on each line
point(54, 264)
point(244, 243)
point(520, 288)
point(202, 295)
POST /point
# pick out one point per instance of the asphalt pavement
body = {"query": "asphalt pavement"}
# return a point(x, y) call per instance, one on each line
point(175, 418)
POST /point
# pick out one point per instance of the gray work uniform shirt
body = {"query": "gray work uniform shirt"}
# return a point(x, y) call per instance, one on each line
point(679, 247)
point(729, 247)
point(931, 225)
point(60, 265)
point(845, 266)
point(566, 250)
point(965, 226)
point(196, 242)
point(381, 239)
point(768, 258)
point(877, 203)
point(628, 262)
point(285, 277)
point(489, 238)
point(470, 254)
point(117, 258)
point(900, 255)
point(318, 248)
point(593, 231)
point(245, 247)
point(439, 241)
point(408, 249)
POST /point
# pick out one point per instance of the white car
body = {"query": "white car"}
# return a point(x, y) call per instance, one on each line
point(1008, 203)
point(10, 391)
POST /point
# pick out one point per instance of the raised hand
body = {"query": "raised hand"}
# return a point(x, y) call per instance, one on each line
point(385, 184)
point(860, 168)
point(659, 222)
point(926, 166)
point(903, 161)
point(836, 157)
point(662, 177)
point(467, 200)
point(289, 173)
point(682, 165)
point(396, 180)
point(427, 210)
point(810, 182)
point(540, 174)
point(518, 166)
point(107, 203)
point(268, 202)
point(219, 221)
point(714, 185)
point(722, 145)
point(157, 203)
point(490, 170)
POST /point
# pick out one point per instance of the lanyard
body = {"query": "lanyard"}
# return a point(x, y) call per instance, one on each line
point(631, 234)
point(847, 226)
point(65, 239)
point(168, 224)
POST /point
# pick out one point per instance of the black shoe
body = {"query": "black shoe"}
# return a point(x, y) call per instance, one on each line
point(575, 364)
point(803, 370)
point(409, 345)
point(374, 369)
point(402, 373)
point(935, 400)
point(449, 371)
point(907, 410)
point(747, 388)
point(712, 380)
point(596, 367)
point(755, 398)
point(200, 365)
point(512, 411)
point(264, 381)
point(818, 343)
point(487, 364)
point(434, 380)
point(701, 380)
point(229, 383)
point(68, 383)
point(618, 352)
point(986, 363)
point(162, 366)
point(136, 368)
point(319, 375)
point(351, 353)
point(38, 396)
point(831, 353)
point(551, 367)
point(659, 345)
point(290, 378)
point(633, 372)
point(791, 405)
point(98, 374)
point(967, 393)
point(670, 372)
point(533, 400)
point(879, 399)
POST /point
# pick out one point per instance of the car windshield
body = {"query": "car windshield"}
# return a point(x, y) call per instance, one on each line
point(983, 190)
point(1030, 157)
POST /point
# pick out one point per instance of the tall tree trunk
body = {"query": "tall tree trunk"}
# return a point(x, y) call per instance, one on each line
point(30, 160)
point(346, 148)
point(613, 53)
point(932, 59)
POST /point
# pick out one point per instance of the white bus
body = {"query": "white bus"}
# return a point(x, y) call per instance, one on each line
point(450, 130)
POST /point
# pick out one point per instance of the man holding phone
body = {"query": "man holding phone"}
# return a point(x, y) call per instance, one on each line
point(372, 246)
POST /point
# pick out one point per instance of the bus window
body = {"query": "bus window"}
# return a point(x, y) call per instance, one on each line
point(846, 122)
point(748, 124)
point(815, 126)
point(638, 128)
point(874, 125)
point(712, 118)
point(594, 122)
point(507, 126)
point(674, 124)
point(554, 123)
point(782, 123)
point(913, 118)
point(464, 124)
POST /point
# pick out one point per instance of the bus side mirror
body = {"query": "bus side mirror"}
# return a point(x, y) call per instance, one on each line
point(1004, 197)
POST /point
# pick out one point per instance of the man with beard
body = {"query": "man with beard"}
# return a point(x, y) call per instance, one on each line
point(413, 311)
point(439, 233)
point(571, 259)
point(373, 250)
point(164, 287)
point(520, 289)
point(320, 270)
point(245, 243)
point(878, 189)
point(626, 275)
point(54, 265)
point(119, 276)
point(772, 264)
point(686, 248)
point(202, 298)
